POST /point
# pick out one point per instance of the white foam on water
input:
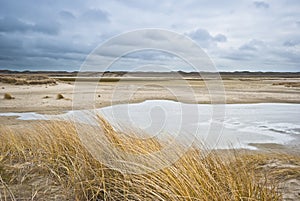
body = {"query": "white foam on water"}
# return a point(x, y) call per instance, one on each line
point(24, 115)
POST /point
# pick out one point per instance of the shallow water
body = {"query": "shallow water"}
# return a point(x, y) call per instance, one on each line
point(242, 123)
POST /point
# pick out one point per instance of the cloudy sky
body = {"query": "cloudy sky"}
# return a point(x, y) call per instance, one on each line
point(237, 35)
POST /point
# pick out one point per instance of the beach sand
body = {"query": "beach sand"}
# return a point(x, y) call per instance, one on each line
point(43, 97)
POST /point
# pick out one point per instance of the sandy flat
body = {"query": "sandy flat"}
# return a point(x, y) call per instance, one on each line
point(43, 98)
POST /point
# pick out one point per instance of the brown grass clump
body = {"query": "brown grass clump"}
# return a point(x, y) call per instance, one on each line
point(59, 96)
point(27, 79)
point(8, 96)
point(49, 162)
point(288, 84)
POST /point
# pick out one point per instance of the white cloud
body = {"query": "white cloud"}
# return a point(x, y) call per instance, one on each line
point(205, 39)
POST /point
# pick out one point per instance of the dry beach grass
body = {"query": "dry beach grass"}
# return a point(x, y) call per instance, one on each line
point(48, 162)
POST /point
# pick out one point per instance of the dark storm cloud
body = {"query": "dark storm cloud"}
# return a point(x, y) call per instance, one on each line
point(8, 47)
point(34, 31)
point(51, 28)
point(12, 24)
point(19, 50)
point(60, 46)
point(7, 43)
point(260, 4)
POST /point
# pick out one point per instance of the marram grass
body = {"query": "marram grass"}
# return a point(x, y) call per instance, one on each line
point(49, 162)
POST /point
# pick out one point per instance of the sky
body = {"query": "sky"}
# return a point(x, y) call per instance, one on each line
point(236, 35)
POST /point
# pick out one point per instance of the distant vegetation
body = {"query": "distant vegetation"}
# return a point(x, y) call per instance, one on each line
point(26, 79)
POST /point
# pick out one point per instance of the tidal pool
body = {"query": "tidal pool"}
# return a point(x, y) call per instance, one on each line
point(242, 124)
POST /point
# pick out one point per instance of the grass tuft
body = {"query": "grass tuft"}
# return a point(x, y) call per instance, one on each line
point(8, 96)
point(59, 96)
